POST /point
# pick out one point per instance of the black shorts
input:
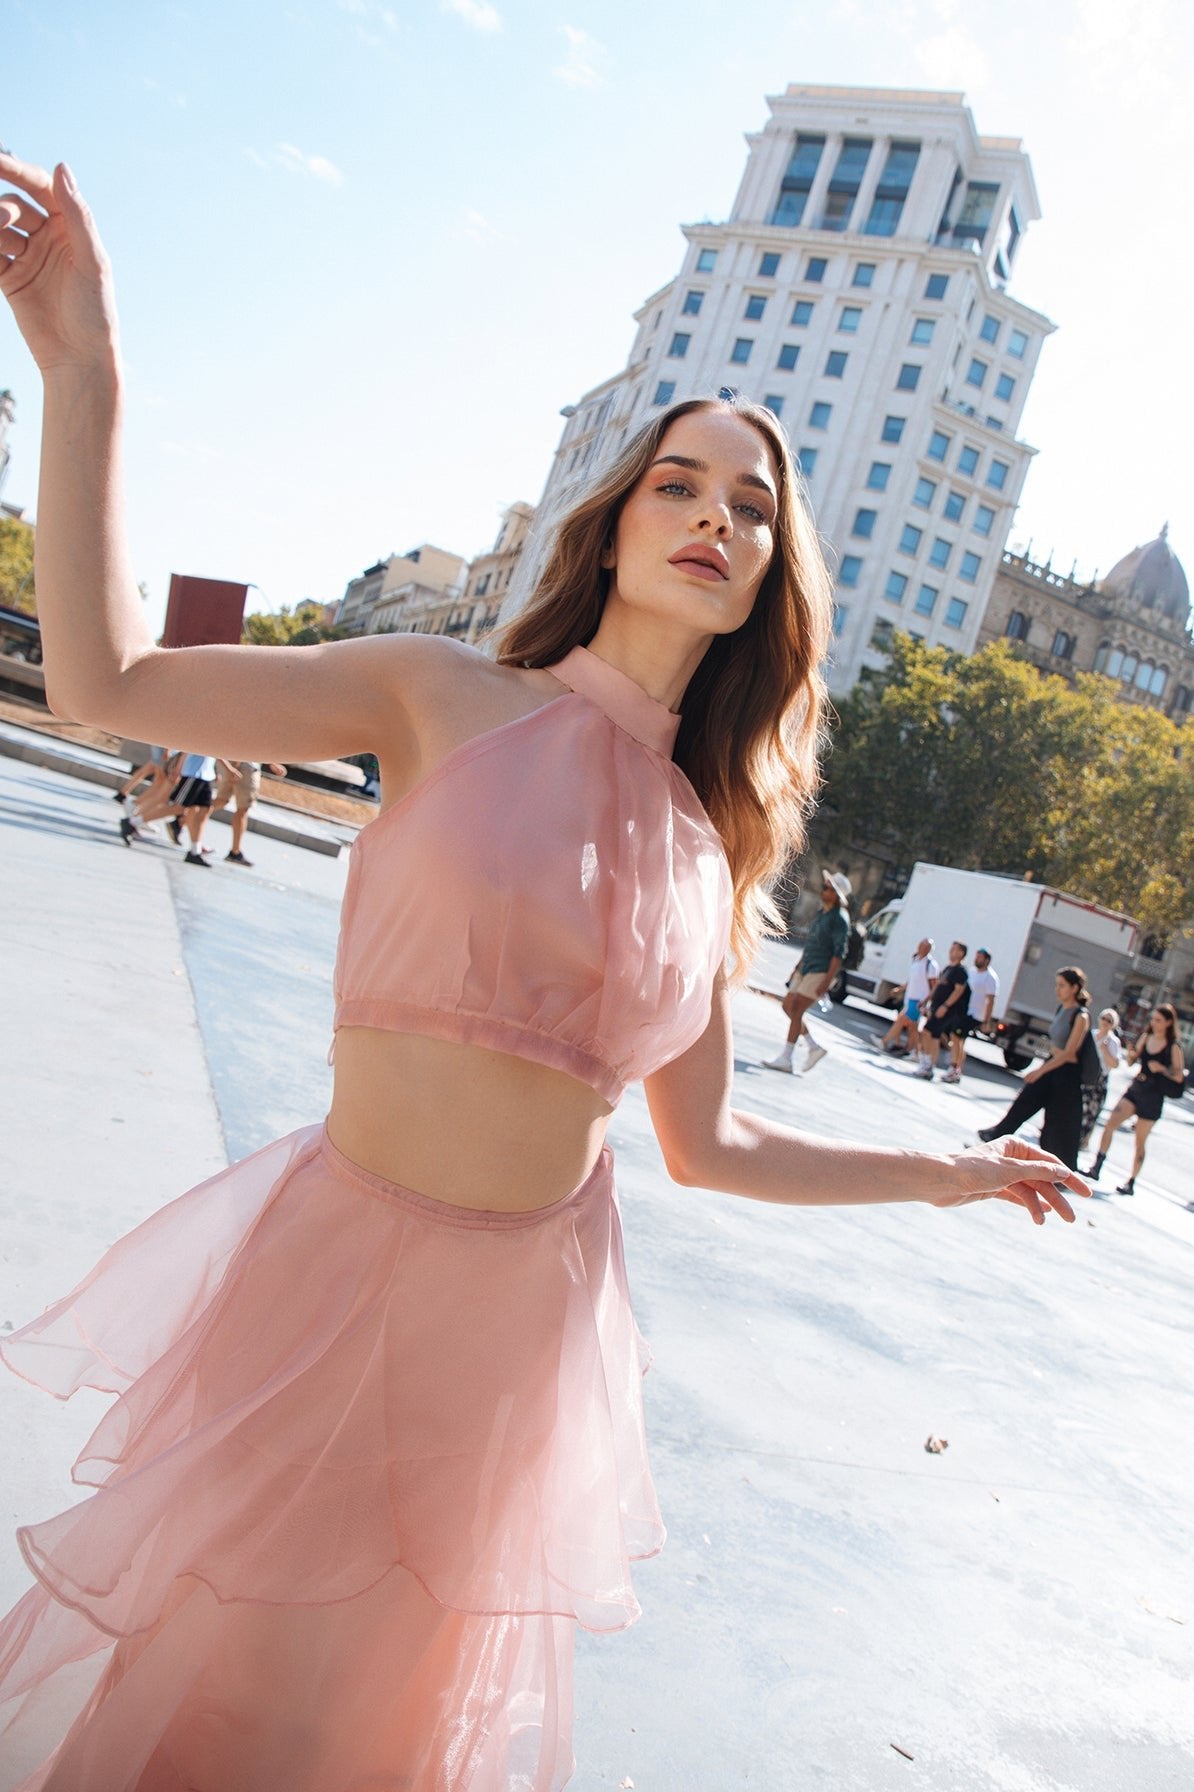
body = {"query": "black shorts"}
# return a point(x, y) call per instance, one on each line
point(1145, 1097)
point(947, 1021)
point(192, 793)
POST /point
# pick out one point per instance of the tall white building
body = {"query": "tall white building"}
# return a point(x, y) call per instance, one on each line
point(860, 289)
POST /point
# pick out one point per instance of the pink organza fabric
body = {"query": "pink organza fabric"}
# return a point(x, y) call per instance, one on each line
point(372, 1457)
point(553, 889)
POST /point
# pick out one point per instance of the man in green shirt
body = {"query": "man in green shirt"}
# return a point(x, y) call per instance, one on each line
point(820, 962)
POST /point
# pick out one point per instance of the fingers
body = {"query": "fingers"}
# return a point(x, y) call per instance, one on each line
point(1051, 1169)
point(30, 178)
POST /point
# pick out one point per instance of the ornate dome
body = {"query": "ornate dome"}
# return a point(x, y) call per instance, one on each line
point(1152, 577)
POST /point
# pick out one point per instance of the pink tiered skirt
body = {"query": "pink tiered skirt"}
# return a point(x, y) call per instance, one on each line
point(371, 1459)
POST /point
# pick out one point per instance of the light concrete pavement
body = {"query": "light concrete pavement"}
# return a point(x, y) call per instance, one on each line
point(1015, 1614)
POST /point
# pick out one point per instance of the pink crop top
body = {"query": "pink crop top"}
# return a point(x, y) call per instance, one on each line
point(553, 889)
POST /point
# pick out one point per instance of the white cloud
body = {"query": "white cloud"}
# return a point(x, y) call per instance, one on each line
point(287, 156)
point(581, 67)
point(478, 229)
point(482, 15)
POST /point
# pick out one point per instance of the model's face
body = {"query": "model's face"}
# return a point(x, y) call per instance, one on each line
point(696, 535)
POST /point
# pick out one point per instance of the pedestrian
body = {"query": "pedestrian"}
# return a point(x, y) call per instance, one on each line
point(918, 986)
point(946, 1011)
point(239, 783)
point(378, 1443)
point(1110, 1051)
point(980, 1011)
point(154, 801)
point(1160, 1075)
point(1055, 1086)
point(818, 965)
point(148, 771)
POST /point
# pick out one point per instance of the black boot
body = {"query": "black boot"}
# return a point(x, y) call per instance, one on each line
point(1092, 1175)
point(1128, 1187)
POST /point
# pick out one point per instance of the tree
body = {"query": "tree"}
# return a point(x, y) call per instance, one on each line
point(16, 565)
point(299, 627)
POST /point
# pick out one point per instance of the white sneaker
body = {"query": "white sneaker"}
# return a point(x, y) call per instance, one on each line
point(925, 1072)
point(815, 1054)
point(952, 1076)
point(780, 1063)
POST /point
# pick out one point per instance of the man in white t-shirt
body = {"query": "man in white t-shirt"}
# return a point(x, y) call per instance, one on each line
point(984, 988)
point(918, 986)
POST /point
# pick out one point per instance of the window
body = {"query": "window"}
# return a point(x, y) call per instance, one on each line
point(850, 318)
point(808, 461)
point(909, 377)
point(802, 312)
point(849, 570)
point(1017, 342)
point(926, 600)
point(774, 404)
point(1114, 662)
point(984, 516)
point(1128, 669)
point(977, 209)
point(976, 373)
point(665, 391)
point(1156, 687)
point(864, 523)
point(968, 461)
point(741, 350)
point(768, 265)
point(969, 568)
point(922, 331)
point(864, 274)
point(692, 304)
point(797, 182)
point(1005, 385)
point(789, 354)
point(939, 445)
point(814, 272)
point(706, 261)
point(680, 342)
point(881, 635)
point(893, 428)
point(835, 364)
point(997, 477)
point(756, 304)
point(840, 613)
point(878, 476)
point(1063, 645)
point(926, 490)
point(955, 504)
point(892, 189)
point(1018, 625)
point(955, 612)
point(939, 552)
point(844, 183)
point(989, 328)
point(936, 286)
point(910, 538)
point(820, 414)
point(895, 587)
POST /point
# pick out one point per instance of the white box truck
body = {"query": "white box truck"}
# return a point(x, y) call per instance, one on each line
point(1029, 930)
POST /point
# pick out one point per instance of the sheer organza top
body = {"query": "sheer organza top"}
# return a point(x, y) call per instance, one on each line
point(553, 889)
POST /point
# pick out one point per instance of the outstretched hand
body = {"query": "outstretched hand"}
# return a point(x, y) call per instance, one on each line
point(1010, 1170)
point(53, 269)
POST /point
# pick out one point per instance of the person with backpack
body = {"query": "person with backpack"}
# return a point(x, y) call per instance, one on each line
point(1055, 1085)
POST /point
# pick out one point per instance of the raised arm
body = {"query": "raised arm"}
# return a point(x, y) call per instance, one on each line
point(101, 663)
point(707, 1143)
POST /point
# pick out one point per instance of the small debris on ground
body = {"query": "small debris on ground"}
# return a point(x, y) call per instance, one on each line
point(1158, 1611)
point(934, 1445)
point(903, 1751)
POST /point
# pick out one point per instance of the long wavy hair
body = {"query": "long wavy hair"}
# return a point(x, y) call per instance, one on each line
point(752, 726)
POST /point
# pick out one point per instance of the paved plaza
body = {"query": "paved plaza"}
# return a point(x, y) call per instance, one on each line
point(836, 1608)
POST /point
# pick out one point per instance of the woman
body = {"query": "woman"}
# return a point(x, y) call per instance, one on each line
point(378, 1443)
point(1161, 1072)
point(1056, 1084)
point(1109, 1047)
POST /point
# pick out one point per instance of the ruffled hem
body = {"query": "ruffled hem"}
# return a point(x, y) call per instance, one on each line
point(408, 1433)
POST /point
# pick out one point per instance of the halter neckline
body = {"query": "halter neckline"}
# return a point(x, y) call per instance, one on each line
point(624, 702)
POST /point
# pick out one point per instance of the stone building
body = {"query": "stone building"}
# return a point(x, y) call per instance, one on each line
point(429, 591)
point(417, 588)
point(1133, 625)
point(360, 595)
point(7, 413)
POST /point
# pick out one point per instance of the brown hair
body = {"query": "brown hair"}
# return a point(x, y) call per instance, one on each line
point(1077, 981)
point(1170, 1016)
point(752, 722)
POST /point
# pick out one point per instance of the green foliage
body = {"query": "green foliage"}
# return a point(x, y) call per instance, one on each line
point(299, 627)
point(16, 565)
point(982, 763)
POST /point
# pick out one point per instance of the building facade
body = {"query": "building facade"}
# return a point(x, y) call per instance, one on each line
point(1132, 626)
point(860, 289)
point(429, 591)
point(415, 585)
point(7, 414)
point(360, 595)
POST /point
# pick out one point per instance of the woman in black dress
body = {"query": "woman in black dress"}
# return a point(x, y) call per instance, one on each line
point(1161, 1071)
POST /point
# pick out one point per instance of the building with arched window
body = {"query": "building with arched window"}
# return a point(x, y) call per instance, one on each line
point(1132, 626)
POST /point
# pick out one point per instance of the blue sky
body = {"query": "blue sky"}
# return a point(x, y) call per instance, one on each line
point(365, 251)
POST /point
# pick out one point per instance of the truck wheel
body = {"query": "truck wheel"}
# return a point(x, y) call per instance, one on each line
point(1016, 1059)
point(839, 989)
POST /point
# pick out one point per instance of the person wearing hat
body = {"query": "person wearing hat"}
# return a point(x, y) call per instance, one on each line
point(820, 962)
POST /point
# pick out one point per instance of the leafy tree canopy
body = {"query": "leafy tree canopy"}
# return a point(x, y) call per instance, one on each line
point(16, 565)
point(299, 627)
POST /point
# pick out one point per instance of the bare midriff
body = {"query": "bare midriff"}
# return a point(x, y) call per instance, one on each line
point(462, 1124)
